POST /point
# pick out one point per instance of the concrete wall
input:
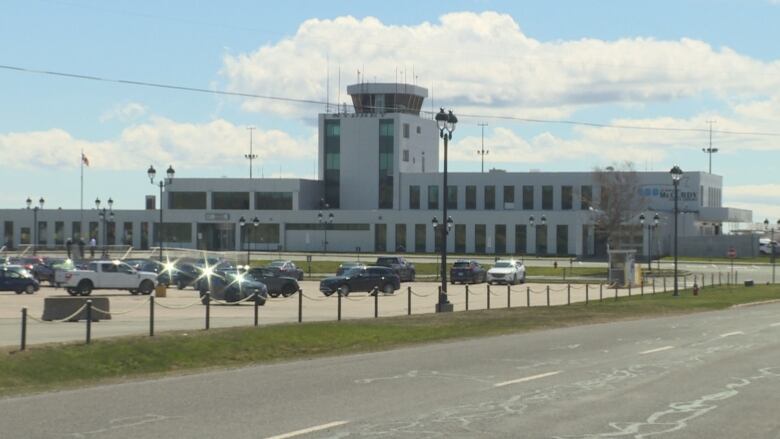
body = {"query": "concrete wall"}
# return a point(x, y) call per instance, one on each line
point(717, 246)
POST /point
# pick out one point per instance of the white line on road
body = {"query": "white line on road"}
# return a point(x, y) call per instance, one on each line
point(309, 430)
point(775, 324)
point(729, 334)
point(522, 380)
point(665, 348)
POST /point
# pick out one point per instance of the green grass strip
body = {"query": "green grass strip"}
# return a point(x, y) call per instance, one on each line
point(68, 365)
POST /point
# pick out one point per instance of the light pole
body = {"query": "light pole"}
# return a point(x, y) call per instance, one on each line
point(242, 222)
point(324, 222)
point(35, 220)
point(446, 123)
point(251, 156)
point(163, 183)
point(772, 245)
point(650, 230)
point(106, 216)
point(483, 152)
point(676, 173)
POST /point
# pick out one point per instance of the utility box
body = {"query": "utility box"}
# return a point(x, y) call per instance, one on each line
point(622, 268)
point(160, 290)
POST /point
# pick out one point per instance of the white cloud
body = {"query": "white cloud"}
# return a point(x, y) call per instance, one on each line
point(764, 192)
point(160, 140)
point(485, 61)
point(124, 113)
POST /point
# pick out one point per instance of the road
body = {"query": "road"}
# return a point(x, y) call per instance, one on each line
point(709, 375)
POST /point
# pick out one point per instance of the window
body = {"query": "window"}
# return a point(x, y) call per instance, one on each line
point(562, 239)
point(437, 240)
point(406, 131)
point(263, 234)
point(490, 197)
point(547, 197)
point(144, 236)
point(400, 237)
point(380, 237)
point(93, 229)
point(344, 227)
point(541, 239)
point(471, 197)
point(111, 233)
point(127, 233)
point(273, 200)
point(24, 237)
point(521, 239)
point(75, 230)
point(460, 238)
point(566, 197)
point(500, 235)
point(433, 197)
point(479, 238)
point(452, 197)
point(414, 197)
point(332, 177)
point(386, 164)
point(8, 234)
point(43, 233)
point(186, 200)
point(419, 237)
point(59, 233)
point(405, 156)
point(230, 200)
point(528, 197)
point(509, 197)
point(174, 233)
point(586, 197)
point(419, 130)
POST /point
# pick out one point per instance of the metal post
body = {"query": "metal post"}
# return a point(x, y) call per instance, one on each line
point(508, 297)
point(568, 294)
point(89, 321)
point(409, 301)
point(616, 293)
point(257, 309)
point(676, 184)
point(467, 297)
point(685, 282)
point(527, 297)
point(629, 288)
point(488, 296)
point(586, 293)
point(208, 310)
point(653, 285)
point(300, 305)
point(23, 345)
point(601, 290)
point(161, 222)
point(376, 302)
point(338, 313)
point(548, 295)
point(642, 288)
point(151, 315)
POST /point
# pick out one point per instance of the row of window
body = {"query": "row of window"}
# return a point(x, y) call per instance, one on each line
point(526, 201)
point(230, 200)
point(26, 235)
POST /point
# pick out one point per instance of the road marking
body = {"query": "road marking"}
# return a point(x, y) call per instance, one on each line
point(522, 380)
point(775, 324)
point(309, 430)
point(665, 348)
point(729, 334)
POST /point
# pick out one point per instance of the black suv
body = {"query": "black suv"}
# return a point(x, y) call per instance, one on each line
point(362, 279)
point(467, 271)
point(403, 268)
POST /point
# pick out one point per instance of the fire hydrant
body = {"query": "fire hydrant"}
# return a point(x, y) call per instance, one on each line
point(695, 289)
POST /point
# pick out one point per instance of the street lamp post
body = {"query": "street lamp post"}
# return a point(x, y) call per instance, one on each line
point(242, 222)
point(772, 245)
point(163, 183)
point(325, 221)
point(106, 216)
point(650, 230)
point(676, 173)
point(446, 123)
point(35, 220)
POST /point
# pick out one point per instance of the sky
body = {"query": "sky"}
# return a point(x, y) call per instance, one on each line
point(526, 69)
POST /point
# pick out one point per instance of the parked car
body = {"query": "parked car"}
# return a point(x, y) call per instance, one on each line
point(346, 266)
point(362, 279)
point(106, 275)
point(45, 270)
point(163, 270)
point(765, 246)
point(185, 274)
point(467, 271)
point(403, 268)
point(28, 262)
point(507, 272)
point(277, 285)
point(231, 286)
point(17, 279)
point(286, 269)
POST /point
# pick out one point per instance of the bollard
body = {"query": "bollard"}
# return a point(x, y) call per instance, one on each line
point(151, 315)
point(736, 277)
point(89, 321)
point(664, 284)
point(548, 295)
point(488, 296)
point(508, 297)
point(257, 308)
point(642, 288)
point(338, 312)
point(568, 294)
point(527, 297)
point(300, 305)
point(467, 297)
point(586, 293)
point(376, 302)
point(616, 293)
point(629, 288)
point(409, 301)
point(685, 282)
point(23, 345)
point(601, 289)
point(208, 310)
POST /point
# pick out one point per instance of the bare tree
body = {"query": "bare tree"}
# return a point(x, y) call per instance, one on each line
point(619, 203)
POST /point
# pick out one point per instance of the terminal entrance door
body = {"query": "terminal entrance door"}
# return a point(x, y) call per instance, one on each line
point(216, 236)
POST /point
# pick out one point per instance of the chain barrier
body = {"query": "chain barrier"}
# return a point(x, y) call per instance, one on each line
point(178, 307)
point(77, 312)
point(322, 299)
point(429, 295)
point(119, 313)
point(355, 299)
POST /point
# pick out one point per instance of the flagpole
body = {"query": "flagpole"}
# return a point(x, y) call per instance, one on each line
point(81, 210)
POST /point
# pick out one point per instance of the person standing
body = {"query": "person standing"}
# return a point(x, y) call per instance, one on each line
point(92, 245)
point(69, 246)
point(81, 248)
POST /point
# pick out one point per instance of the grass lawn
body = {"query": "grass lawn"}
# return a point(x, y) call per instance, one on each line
point(763, 259)
point(69, 365)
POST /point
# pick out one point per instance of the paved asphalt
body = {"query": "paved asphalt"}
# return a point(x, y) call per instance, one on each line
point(709, 375)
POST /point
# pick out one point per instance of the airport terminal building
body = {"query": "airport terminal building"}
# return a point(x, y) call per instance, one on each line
point(379, 187)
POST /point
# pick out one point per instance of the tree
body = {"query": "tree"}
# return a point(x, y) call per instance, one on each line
point(619, 203)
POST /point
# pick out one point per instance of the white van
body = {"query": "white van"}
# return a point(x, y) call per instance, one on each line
point(765, 246)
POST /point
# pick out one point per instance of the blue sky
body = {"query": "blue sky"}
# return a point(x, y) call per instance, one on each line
point(662, 64)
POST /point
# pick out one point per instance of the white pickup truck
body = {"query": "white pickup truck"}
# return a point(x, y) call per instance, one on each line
point(100, 275)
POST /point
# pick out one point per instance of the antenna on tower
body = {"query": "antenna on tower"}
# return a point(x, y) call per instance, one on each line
point(710, 150)
point(251, 156)
point(483, 152)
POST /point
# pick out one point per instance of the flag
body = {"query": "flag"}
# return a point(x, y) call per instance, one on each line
point(84, 159)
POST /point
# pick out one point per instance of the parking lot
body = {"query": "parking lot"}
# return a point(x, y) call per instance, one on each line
point(182, 311)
